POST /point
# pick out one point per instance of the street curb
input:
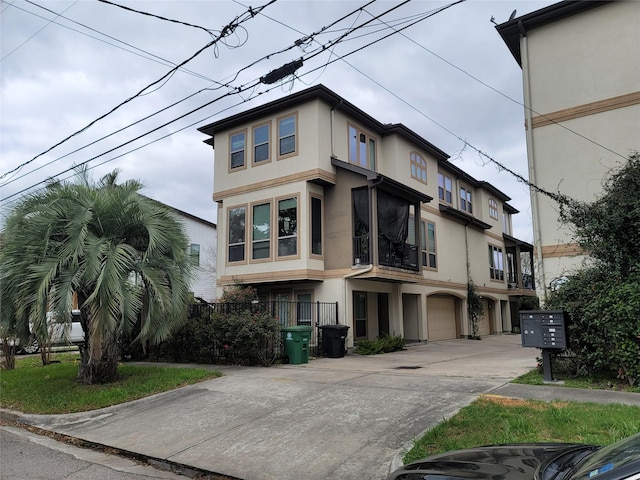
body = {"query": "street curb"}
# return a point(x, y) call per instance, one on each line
point(13, 418)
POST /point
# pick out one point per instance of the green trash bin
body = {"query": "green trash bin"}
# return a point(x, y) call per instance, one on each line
point(296, 343)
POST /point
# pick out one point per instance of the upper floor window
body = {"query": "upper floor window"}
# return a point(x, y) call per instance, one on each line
point(261, 231)
point(261, 143)
point(445, 188)
point(287, 135)
point(493, 209)
point(428, 234)
point(316, 225)
point(506, 223)
point(237, 234)
point(237, 147)
point(418, 167)
point(496, 263)
point(465, 200)
point(193, 251)
point(288, 227)
point(362, 148)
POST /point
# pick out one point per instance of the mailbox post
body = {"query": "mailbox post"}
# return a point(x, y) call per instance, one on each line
point(544, 329)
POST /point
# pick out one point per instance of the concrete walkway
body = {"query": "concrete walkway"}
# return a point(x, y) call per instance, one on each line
point(328, 419)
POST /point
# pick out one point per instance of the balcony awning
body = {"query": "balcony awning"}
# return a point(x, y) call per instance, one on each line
point(383, 182)
point(462, 217)
point(510, 241)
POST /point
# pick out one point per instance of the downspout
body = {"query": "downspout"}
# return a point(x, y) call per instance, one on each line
point(535, 206)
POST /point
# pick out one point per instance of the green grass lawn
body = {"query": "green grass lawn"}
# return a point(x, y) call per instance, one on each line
point(54, 388)
point(599, 381)
point(493, 419)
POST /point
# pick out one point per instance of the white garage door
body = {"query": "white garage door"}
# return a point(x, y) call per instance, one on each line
point(441, 318)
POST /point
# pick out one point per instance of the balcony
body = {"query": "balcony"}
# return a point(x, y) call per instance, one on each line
point(405, 256)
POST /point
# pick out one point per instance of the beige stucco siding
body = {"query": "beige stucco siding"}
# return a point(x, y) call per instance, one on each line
point(585, 58)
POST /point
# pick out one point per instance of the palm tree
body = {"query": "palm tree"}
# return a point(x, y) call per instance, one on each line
point(122, 254)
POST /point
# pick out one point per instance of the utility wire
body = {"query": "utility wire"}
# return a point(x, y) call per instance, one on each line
point(41, 29)
point(238, 90)
point(504, 94)
point(227, 30)
point(208, 30)
point(147, 55)
point(297, 43)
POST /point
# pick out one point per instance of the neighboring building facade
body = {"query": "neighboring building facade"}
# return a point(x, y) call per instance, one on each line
point(202, 249)
point(318, 201)
point(581, 73)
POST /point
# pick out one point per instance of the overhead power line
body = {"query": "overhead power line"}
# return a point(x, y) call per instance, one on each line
point(227, 30)
point(243, 88)
point(37, 32)
point(297, 43)
point(208, 30)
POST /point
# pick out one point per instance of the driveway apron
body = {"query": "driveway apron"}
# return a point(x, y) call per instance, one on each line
point(341, 418)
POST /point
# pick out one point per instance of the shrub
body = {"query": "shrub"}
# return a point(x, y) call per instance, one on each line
point(383, 344)
point(604, 325)
point(247, 337)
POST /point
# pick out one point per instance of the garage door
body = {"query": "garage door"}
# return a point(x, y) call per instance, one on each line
point(441, 318)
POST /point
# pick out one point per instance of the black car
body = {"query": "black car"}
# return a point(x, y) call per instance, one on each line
point(534, 461)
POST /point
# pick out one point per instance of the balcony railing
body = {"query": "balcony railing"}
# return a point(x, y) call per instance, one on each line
point(405, 257)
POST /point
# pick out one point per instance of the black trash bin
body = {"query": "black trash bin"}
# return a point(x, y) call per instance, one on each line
point(333, 340)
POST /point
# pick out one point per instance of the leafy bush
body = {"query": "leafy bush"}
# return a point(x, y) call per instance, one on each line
point(247, 337)
point(383, 344)
point(604, 322)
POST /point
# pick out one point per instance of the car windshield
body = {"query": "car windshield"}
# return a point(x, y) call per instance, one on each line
point(609, 458)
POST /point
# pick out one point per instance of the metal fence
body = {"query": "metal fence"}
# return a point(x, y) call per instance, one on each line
point(289, 314)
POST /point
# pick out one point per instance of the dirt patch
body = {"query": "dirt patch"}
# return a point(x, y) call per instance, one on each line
point(516, 402)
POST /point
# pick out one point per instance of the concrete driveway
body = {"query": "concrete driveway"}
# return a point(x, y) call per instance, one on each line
point(343, 418)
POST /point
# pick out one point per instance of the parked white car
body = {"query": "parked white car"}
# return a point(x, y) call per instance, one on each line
point(60, 333)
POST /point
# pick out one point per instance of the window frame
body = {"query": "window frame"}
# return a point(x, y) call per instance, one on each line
point(253, 241)
point(319, 197)
point(414, 164)
point(493, 209)
point(281, 156)
point(227, 239)
point(194, 257)
point(426, 254)
point(466, 201)
point(231, 168)
point(371, 152)
point(296, 295)
point(443, 197)
point(278, 237)
point(496, 274)
point(254, 162)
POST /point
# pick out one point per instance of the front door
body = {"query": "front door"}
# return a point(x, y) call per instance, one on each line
point(383, 314)
point(360, 315)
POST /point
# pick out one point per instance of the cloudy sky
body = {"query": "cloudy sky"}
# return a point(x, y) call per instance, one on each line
point(449, 77)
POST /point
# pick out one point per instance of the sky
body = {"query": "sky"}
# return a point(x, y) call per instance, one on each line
point(448, 76)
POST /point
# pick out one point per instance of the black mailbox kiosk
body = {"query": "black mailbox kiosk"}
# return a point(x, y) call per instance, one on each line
point(544, 329)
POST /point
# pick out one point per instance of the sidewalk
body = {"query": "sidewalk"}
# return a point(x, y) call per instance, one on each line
point(328, 419)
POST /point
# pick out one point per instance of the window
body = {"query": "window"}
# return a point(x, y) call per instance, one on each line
point(362, 148)
point(506, 223)
point(287, 227)
point(304, 313)
point(493, 209)
point(261, 232)
point(261, 143)
point(237, 147)
point(496, 263)
point(193, 251)
point(465, 200)
point(418, 167)
point(237, 239)
point(445, 186)
point(316, 226)
point(428, 244)
point(287, 135)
